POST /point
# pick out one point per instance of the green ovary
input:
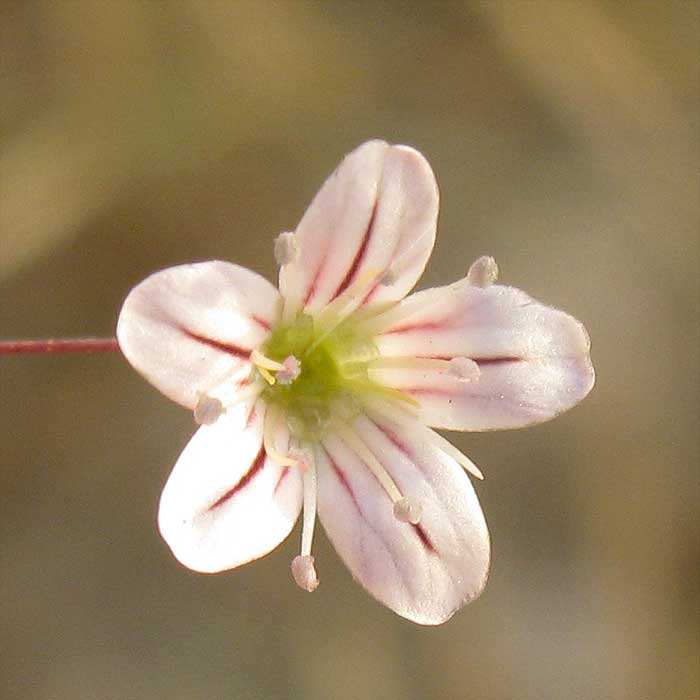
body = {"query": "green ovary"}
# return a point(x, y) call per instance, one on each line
point(333, 366)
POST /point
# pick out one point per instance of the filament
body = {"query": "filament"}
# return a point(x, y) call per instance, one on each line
point(366, 455)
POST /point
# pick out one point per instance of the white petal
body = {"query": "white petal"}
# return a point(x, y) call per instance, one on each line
point(533, 360)
point(187, 328)
point(226, 503)
point(376, 212)
point(424, 572)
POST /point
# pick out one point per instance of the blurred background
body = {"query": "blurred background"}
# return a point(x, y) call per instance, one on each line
point(565, 138)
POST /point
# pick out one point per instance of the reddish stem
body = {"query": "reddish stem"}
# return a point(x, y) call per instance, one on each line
point(24, 347)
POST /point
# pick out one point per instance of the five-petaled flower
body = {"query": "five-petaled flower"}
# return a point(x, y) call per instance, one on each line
point(323, 396)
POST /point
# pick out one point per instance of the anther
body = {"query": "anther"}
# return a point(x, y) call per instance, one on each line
point(463, 368)
point(207, 410)
point(389, 277)
point(304, 572)
point(291, 368)
point(286, 248)
point(483, 272)
point(408, 510)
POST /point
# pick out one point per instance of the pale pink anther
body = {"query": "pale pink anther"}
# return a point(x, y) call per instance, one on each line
point(465, 369)
point(408, 510)
point(291, 368)
point(304, 572)
point(483, 271)
point(207, 410)
point(286, 248)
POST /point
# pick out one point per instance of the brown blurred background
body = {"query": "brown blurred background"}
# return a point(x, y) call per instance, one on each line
point(139, 134)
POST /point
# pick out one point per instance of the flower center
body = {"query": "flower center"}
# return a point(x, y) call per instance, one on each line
point(331, 364)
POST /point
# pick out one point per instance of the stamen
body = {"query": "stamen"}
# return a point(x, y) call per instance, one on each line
point(417, 363)
point(291, 368)
point(408, 510)
point(343, 305)
point(303, 568)
point(389, 277)
point(286, 248)
point(265, 374)
point(483, 272)
point(376, 323)
point(366, 455)
point(208, 410)
point(378, 409)
point(387, 393)
point(264, 364)
point(274, 424)
point(464, 369)
point(260, 360)
point(304, 573)
point(221, 385)
point(461, 367)
point(250, 391)
point(287, 252)
point(309, 518)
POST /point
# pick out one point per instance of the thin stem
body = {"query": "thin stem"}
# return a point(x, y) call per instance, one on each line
point(32, 347)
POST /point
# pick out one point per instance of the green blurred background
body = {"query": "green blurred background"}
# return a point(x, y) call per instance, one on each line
point(564, 136)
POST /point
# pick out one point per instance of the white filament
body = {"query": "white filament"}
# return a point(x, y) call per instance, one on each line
point(275, 423)
point(309, 517)
point(379, 409)
point(365, 454)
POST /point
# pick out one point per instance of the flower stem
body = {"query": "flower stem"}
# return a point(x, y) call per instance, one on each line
point(27, 347)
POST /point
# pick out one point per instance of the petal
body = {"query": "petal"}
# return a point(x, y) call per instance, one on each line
point(533, 360)
point(226, 503)
point(378, 209)
point(187, 328)
point(423, 572)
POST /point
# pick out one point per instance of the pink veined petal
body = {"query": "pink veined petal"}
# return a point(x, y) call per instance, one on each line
point(533, 360)
point(187, 328)
point(377, 211)
point(424, 572)
point(227, 503)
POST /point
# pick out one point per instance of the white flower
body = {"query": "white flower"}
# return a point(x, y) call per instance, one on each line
point(320, 396)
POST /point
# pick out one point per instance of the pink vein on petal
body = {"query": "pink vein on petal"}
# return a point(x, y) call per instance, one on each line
point(417, 528)
point(344, 481)
point(393, 438)
point(262, 322)
point(426, 326)
point(312, 287)
point(251, 417)
point(255, 467)
point(234, 350)
point(478, 360)
point(359, 255)
point(282, 477)
point(423, 390)
point(423, 537)
point(496, 360)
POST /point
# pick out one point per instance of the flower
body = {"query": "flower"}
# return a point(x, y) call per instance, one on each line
point(323, 396)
